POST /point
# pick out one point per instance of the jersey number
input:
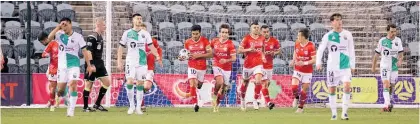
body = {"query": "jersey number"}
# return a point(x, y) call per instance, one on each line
point(384, 72)
point(193, 71)
point(331, 76)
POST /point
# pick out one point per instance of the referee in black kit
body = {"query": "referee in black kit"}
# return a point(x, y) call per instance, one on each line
point(95, 45)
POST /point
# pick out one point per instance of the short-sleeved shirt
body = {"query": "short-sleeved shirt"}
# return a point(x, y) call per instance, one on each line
point(253, 59)
point(222, 50)
point(304, 53)
point(136, 42)
point(52, 50)
point(271, 45)
point(150, 57)
point(389, 50)
point(197, 47)
point(68, 49)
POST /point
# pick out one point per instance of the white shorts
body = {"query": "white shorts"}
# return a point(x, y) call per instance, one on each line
point(303, 77)
point(220, 72)
point(51, 77)
point(136, 72)
point(268, 74)
point(248, 72)
point(387, 74)
point(149, 76)
point(335, 78)
point(197, 74)
point(65, 75)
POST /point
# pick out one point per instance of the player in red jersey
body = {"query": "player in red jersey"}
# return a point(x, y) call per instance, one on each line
point(272, 48)
point(224, 54)
point(200, 49)
point(303, 60)
point(150, 65)
point(51, 51)
point(253, 50)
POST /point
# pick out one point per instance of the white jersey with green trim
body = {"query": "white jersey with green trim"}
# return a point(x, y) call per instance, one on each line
point(341, 54)
point(136, 41)
point(69, 48)
point(389, 49)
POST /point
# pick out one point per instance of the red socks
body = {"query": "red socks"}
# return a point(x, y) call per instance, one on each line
point(142, 103)
point(302, 99)
point(257, 91)
point(243, 91)
point(52, 98)
point(295, 91)
point(266, 95)
point(193, 91)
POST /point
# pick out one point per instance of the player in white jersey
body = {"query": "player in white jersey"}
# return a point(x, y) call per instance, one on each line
point(136, 60)
point(340, 64)
point(391, 50)
point(69, 44)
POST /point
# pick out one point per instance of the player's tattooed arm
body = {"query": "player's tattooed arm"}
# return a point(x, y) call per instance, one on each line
point(56, 29)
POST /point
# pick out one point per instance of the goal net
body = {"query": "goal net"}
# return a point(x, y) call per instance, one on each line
point(170, 22)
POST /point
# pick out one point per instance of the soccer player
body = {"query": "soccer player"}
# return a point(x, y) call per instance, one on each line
point(51, 51)
point(391, 50)
point(272, 48)
point(303, 59)
point(95, 45)
point(340, 65)
point(252, 46)
point(136, 61)
point(200, 49)
point(224, 54)
point(150, 65)
point(69, 44)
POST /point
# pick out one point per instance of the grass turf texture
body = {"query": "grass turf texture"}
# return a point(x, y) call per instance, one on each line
point(206, 116)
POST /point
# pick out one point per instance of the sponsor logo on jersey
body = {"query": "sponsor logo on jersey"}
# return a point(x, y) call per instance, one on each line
point(333, 48)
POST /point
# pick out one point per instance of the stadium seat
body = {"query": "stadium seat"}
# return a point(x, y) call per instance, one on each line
point(184, 30)
point(38, 46)
point(295, 27)
point(414, 48)
point(241, 29)
point(281, 31)
point(309, 14)
point(20, 48)
point(235, 14)
point(270, 11)
point(13, 67)
point(166, 67)
point(173, 48)
point(179, 13)
point(207, 30)
point(407, 31)
point(43, 65)
point(288, 49)
point(180, 67)
point(197, 13)
point(24, 69)
point(217, 18)
point(36, 29)
point(254, 12)
point(167, 31)
point(292, 14)
point(143, 10)
point(76, 28)
point(46, 13)
point(149, 26)
point(23, 12)
point(13, 30)
point(414, 10)
point(49, 26)
point(399, 14)
point(65, 10)
point(159, 14)
point(7, 9)
point(6, 48)
point(236, 43)
point(318, 30)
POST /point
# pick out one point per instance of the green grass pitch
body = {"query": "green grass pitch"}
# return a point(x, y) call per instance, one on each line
point(206, 116)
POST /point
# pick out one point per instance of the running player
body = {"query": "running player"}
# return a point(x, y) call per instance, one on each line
point(272, 48)
point(340, 65)
point(391, 50)
point(303, 59)
point(69, 43)
point(136, 60)
point(224, 54)
point(95, 45)
point(50, 51)
point(253, 50)
point(200, 50)
point(150, 65)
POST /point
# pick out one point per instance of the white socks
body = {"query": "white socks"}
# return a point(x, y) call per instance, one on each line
point(333, 103)
point(346, 101)
point(130, 94)
point(139, 96)
point(387, 98)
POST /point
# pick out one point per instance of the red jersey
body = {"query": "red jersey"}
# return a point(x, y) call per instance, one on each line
point(222, 50)
point(150, 57)
point(271, 45)
point(52, 50)
point(197, 47)
point(304, 53)
point(253, 59)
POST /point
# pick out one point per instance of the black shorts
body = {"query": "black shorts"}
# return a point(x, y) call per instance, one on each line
point(100, 71)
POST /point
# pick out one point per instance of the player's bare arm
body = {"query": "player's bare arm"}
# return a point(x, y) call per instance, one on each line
point(119, 57)
point(400, 58)
point(375, 59)
point(56, 29)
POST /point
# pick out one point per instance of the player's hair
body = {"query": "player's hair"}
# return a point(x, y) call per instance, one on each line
point(42, 36)
point(65, 19)
point(254, 23)
point(265, 27)
point(335, 15)
point(225, 26)
point(390, 26)
point(304, 32)
point(196, 28)
point(134, 15)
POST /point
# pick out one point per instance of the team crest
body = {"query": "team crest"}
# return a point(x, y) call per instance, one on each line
point(306, 52)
